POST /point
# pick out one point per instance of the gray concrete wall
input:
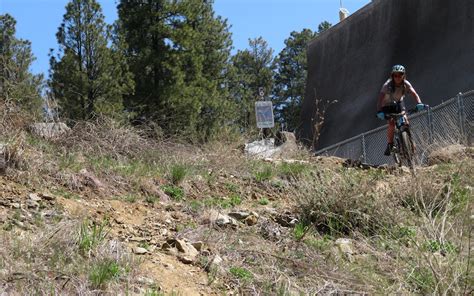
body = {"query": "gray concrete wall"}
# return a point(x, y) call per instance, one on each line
point(434, 39)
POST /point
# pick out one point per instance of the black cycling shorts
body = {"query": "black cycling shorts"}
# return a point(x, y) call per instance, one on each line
point(393, 108)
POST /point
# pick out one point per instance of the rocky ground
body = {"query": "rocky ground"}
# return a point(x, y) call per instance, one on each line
point(234, 225)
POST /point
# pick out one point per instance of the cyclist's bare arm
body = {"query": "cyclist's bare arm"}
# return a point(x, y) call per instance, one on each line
point(412, 91)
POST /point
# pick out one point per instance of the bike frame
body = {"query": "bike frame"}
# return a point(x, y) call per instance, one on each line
point(403, 148)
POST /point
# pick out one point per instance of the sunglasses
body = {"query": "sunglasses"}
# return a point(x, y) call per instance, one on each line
point(398, 75)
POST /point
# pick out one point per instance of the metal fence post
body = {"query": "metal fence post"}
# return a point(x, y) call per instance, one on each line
point(461, 116)
point(364, 153)
point(430, 126)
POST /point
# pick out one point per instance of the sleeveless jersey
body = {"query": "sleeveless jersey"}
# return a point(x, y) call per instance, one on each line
point(397, 94)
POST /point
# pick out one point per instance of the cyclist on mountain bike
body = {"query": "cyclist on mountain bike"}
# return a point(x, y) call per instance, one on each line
point(391, 99)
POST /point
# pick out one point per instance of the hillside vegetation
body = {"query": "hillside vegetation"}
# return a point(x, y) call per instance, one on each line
point(105, 209)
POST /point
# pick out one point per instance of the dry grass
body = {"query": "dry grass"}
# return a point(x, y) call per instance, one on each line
point(410, 236)
point(416, 236)
point(49, 261)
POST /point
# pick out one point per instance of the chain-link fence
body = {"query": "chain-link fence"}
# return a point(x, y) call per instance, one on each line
point(451, 122)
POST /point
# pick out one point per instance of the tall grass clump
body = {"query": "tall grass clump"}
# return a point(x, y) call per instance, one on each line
point(344, 204)
point(91, 236)
point(264, 174)
point(178, 173)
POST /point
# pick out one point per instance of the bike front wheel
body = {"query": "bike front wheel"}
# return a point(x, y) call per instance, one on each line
point(396, 153)
point(408, 151)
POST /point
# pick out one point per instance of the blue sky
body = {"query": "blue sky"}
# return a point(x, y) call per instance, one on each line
point(274, 20)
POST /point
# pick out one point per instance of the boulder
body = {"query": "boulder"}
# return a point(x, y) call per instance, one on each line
point(222, 220)
point(90, 180)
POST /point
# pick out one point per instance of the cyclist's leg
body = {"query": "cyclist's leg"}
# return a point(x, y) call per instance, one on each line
point(390, 133)
point(390, 130)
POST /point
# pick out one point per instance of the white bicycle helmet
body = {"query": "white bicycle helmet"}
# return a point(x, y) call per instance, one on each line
point(398, 69)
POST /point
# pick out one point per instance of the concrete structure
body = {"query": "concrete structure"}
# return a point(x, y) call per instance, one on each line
point(434, 39)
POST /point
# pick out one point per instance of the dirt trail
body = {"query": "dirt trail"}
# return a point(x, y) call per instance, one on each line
point(142, 224)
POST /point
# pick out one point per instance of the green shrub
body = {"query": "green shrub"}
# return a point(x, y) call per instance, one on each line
point(241, 273)
point(175, 192)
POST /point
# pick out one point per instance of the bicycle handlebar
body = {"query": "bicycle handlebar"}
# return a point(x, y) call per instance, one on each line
point(408, 112)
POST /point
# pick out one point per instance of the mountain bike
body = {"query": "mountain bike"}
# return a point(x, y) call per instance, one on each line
point(403, 149)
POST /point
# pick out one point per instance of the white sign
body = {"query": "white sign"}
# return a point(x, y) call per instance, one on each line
point(264, 114)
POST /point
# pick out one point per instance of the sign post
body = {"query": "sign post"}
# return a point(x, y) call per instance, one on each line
point(264, 113)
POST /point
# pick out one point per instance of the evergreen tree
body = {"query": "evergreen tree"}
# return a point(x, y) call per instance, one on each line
point(17, 83)
point(252, 69)
point(290, 76)
point(324, 26)
point(89, 75)
point(179, 52)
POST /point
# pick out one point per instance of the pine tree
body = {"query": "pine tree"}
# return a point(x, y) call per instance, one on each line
point(252, 69)
point(17, 83)
point(179, 52)
point(89, 75)
point(290, 76)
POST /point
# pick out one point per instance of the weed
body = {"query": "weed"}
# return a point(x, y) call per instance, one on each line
point(7, 226)
point(461, 195)
point(292, 170)
point(131, 198)
point(422, 280)
point(265, 174)
point(322, 244)
point(195, 205)
point(90, 237)
point(220, 202)
point(278, 184)
point(69, 161)
point(38, 219)
point(231, 187)
point(404, 234)
point(184, 226)
point(151, 199)
point(241, 273)
point(436, 246)
point(235, 200)
point(263, 201)
point(66, 194)
point(144, 245)
point(16, 215)
point(300, 230)
point(153, 292)
point(103, 272)
point(178, 172)
point(175, 192)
